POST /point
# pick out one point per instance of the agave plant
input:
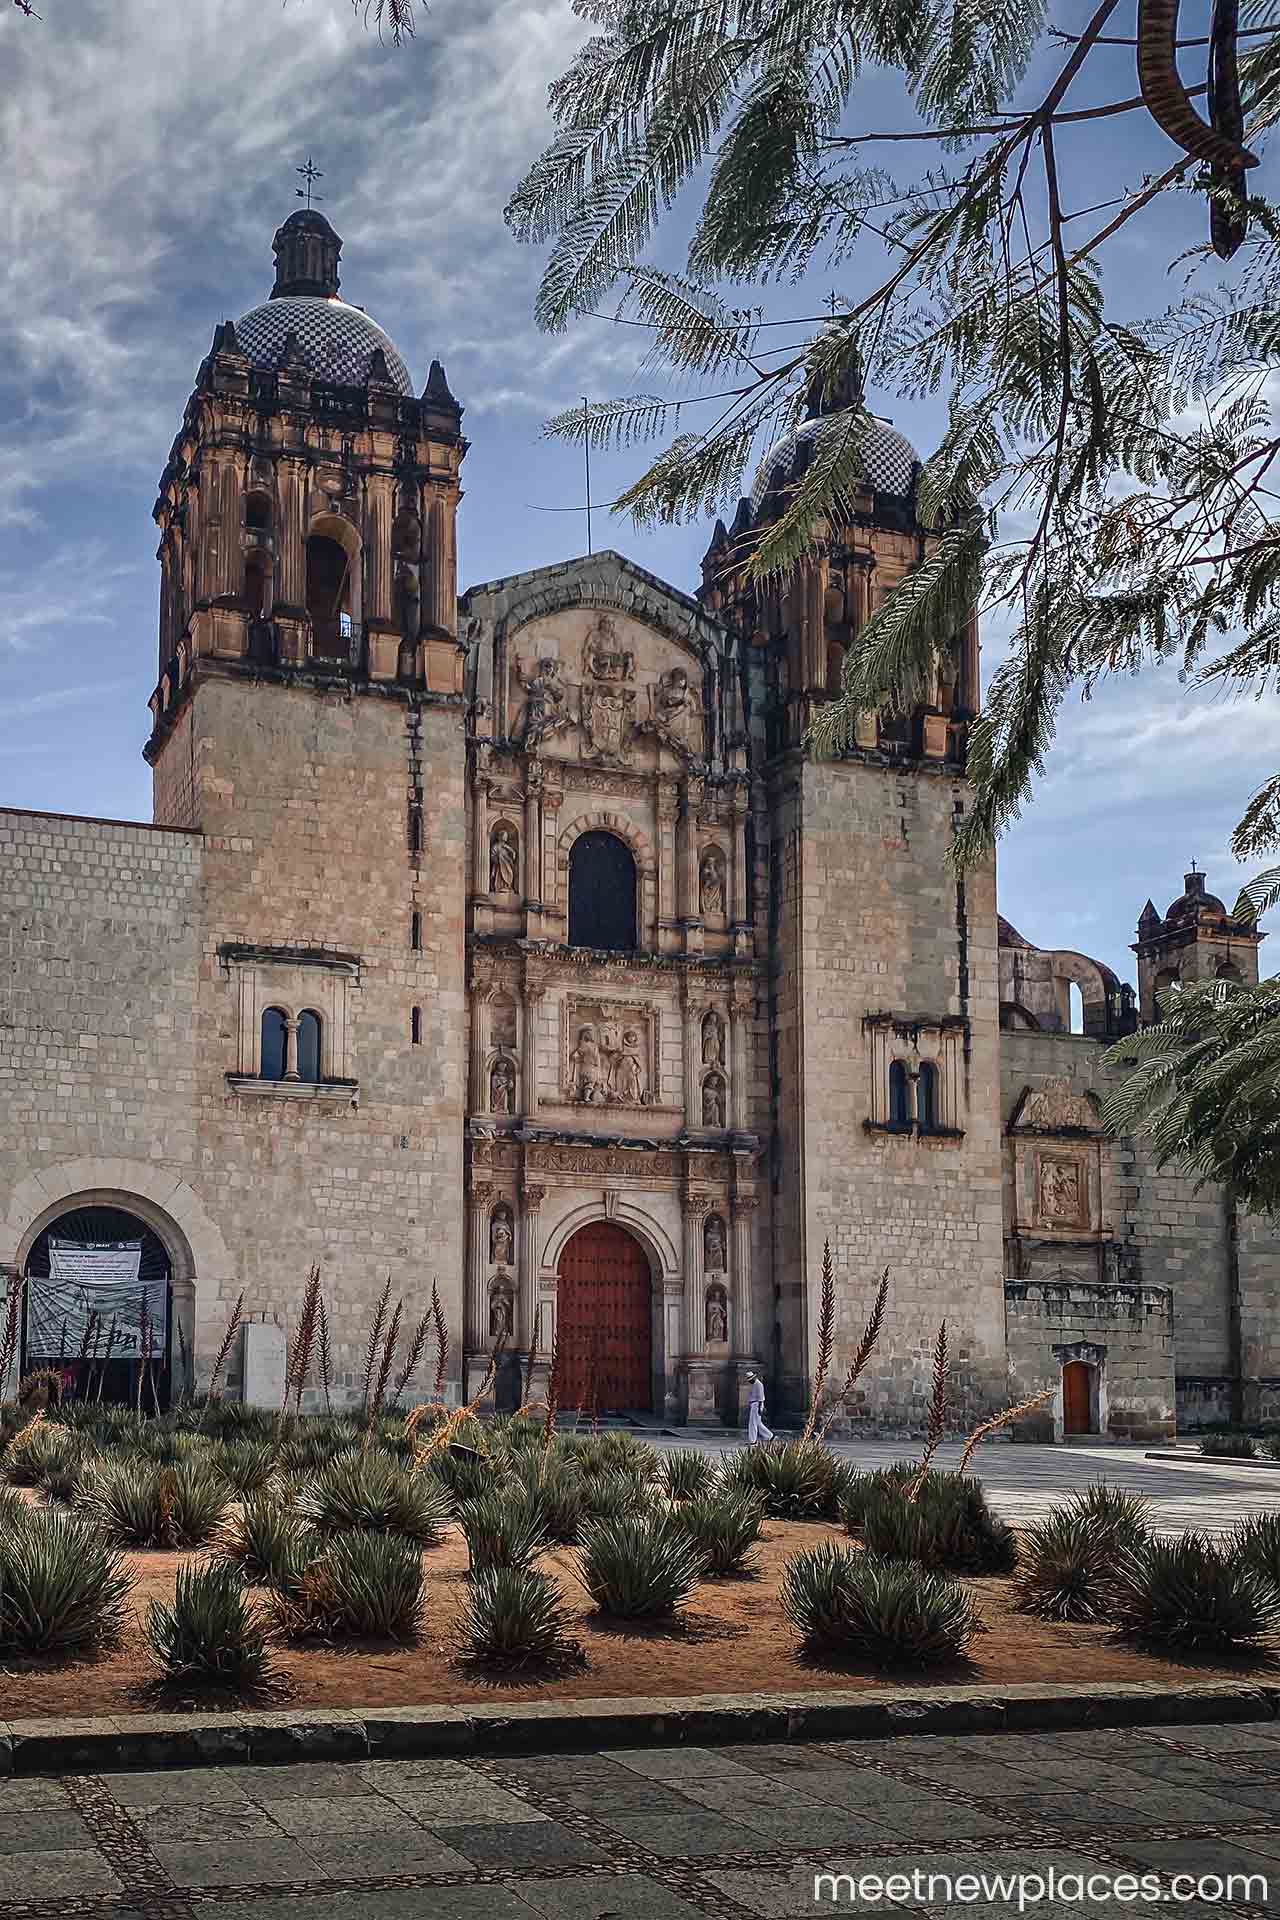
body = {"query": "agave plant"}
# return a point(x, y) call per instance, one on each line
point(370, 1492)
point(947, 1525)
point(266, 1542)
point(625, 1453)
point(1255, 1543)
point(799, 1481)
point(610, 1494)
point(1228, 1446)
point(210, 1634)
point(157, 1506)
point(1124, 1519)
point(1066, 1567)
point(887, 1612)
point(556, 1491)
point(724, 1527)
point(639, 1566)
point(245, 1465)
point(687, 1474)
point(503, 1528)
point(361, 1586)
point(1190, 1593)
point(62, 1588)
point(514, 1615)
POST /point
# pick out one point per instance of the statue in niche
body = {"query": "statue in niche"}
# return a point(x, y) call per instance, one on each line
point(504, 861)
point(502, 1085)
point(713, 1041)
point(714, 1244)
point(586, 1069)
point(501, 1313)
point(711, 875)
point(544, 711)
point(502, 1024)
point(627, 1081)
point(603, 656)
point(717, 1317)
point(408, 593)
point(501, 1238)
point(713, 1106)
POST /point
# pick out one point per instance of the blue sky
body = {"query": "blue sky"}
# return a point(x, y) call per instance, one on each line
point(148, 149)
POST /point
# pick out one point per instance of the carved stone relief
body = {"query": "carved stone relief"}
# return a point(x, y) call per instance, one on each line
point(610, 1049)
point(1061, 1191)
point(546, 701)
point(673, 711)
point(1056, 1106)
point(606, 705)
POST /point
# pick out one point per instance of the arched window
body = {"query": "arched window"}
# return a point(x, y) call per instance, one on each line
point(329, 569)
point(415, 932)
point(309, 1047)
point(257, 512)
point(602, 893)
point(1166, 980)
point(928, 1116)
point(415, 1027)
point(1228, 970)
point(274, 1044)
point(899, 1095)
point(1075, 1009)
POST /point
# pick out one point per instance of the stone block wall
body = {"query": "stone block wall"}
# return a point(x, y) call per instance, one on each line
point(1157, 1230)
point(868, 920)
point(1124, 1334)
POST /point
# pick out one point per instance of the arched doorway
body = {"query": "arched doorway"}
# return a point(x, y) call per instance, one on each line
point(604, 1322)
point(1077, 1397)
point(98, 1300)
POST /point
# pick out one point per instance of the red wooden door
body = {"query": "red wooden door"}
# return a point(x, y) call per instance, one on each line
point(1075, 1398)
point(604, 1322)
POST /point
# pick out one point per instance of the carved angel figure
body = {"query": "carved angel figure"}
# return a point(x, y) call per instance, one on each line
point(544, 700)
point(671, 706)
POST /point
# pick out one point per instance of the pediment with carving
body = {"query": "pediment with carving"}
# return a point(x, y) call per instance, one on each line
point(1055, 1107)
point(603, 690)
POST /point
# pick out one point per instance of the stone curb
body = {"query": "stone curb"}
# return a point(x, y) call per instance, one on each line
point(254, 1738)
point(1185, 1458)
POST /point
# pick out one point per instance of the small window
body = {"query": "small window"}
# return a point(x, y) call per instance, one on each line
point(415, 933)
point(927, 1110)
point(309, 1047)
point(415, 1026)
point(899, 1095)
point(274, 1044)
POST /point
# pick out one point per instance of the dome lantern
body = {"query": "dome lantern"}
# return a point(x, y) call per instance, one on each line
point(307, 252)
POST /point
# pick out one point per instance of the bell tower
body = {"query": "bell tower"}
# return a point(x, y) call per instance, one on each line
point(307, 512)
point(883, 996)
point(1196, 940)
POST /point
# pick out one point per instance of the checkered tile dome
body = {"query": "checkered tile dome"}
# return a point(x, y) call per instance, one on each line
point(337, 341)
point(888, 459)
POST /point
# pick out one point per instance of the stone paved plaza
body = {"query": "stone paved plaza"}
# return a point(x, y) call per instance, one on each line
point(669, 1834)
point(1024, 1482)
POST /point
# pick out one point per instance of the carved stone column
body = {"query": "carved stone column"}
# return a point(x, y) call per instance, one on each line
point(480, 830)
point(481, 996)
point(740, 1011)
point(531, 1199)
point(377, 547)
point(533, 998)
point(742, 1209)
point(533, 836)
point(738, 905)
point(441, 588)
point(692, 1061)
point(291, 1049)
point(696, 1208)
point(477, 1291)
point(668, 906)
point(291, 573)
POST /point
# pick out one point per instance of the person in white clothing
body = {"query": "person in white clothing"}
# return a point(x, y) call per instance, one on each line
point(756, 1428)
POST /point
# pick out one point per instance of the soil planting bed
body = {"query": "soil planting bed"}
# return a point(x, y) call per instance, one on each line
point(734, 1638)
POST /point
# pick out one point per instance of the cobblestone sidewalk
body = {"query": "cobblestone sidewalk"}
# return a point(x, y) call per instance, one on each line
point(666, 1834)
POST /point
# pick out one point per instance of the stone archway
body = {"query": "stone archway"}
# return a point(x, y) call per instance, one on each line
point(604, 1321)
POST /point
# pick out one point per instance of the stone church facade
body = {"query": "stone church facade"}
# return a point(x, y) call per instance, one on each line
point(513, 940)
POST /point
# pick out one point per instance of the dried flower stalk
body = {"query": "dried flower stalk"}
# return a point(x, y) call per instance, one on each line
point(989, 1427)
point(866, 1347)
point(12, 1328)
point(417, 1347)
point(326, 1356)
point(553, 1403)
point(937, 1416)
point(305, 1341)
point(441, 1326)
point(384, 1370)
point(826, 1340)
point(375, 1341)
point(233, 1328)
